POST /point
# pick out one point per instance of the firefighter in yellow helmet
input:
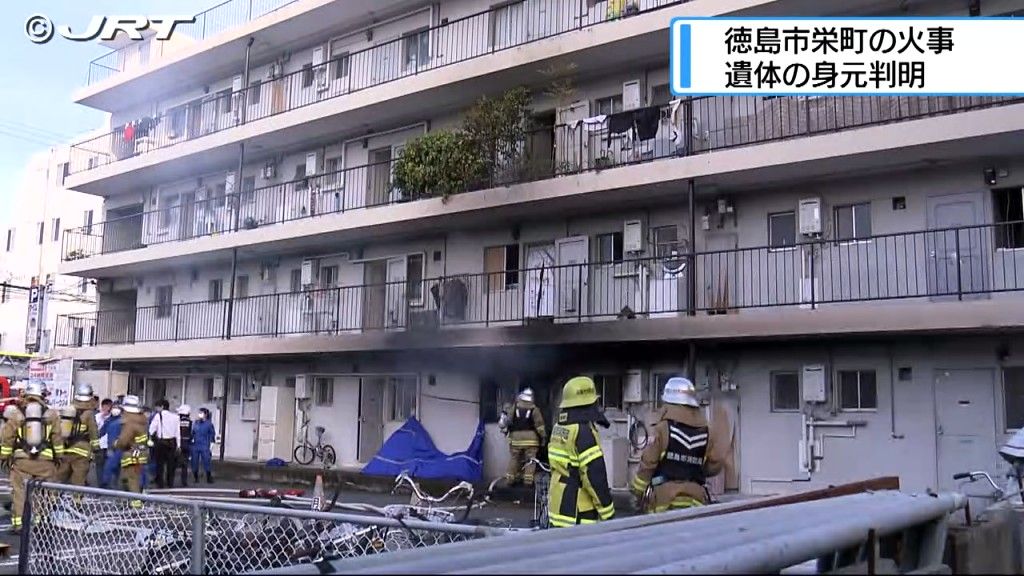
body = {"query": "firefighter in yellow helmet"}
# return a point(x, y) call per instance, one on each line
point(526, 434)
point(78, 428)
point(31, 436)
point(579, 491)
point(133, 442)
point(682, 453)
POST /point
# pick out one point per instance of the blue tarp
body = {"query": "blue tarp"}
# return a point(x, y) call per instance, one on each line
point(411, 449)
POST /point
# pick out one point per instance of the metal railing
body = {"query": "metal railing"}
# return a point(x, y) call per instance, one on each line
point(458, 40)
point(953, 263)
point(207, 23)
point(80, 530)
point(692, 127)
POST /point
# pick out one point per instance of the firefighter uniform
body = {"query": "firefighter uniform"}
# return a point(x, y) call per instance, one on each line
point(579, 491)
point(134, 442)
point(81, 438)
point(31, 437)
point(682, 453)
point(526, 434)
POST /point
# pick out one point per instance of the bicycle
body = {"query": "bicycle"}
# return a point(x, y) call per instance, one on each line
point(541, 482)
point(998, 494)
point(306, 452)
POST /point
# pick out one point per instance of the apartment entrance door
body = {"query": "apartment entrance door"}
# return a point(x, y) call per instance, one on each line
point(539, 301)
point(371, 417)
point(375, 275)
point(572, 276)
point(378, 176)
point(965, 426)
point(956, 256)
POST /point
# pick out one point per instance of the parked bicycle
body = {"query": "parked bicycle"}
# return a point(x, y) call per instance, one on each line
point(541, 482)
point(306, 452)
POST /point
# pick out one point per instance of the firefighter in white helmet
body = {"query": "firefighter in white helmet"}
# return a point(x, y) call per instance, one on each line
point(524, 425)
point(133, 442)
point(31, 437)
point(682, 453)
point(81, 437)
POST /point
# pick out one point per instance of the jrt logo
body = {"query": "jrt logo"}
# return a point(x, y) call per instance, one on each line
point(40, 29)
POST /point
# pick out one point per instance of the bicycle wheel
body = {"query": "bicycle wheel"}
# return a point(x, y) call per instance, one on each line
point(329, 457)
point(304, 454)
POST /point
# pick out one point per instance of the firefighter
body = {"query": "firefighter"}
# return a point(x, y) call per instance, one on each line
point(184, 441)
point(526, 434)
point(32, 438)
point(579, 491)
point(682, 454)
point(134, 443)
point(81, 437)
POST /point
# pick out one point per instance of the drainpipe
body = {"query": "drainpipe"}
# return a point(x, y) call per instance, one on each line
point(241, 145)
point(231, 294)
point(691, 280)
point(224, 405)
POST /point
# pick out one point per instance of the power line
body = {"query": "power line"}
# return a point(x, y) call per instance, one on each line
point(28, 127)
point(27, 138)
point(33, 133)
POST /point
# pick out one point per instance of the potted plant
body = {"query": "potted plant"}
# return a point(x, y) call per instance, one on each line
point(250, 223)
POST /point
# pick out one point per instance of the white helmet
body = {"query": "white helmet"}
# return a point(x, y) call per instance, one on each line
point(19, 385)
point(83, 393)
point(680, 391)
point(36, 389)
point(131, 404)
point(526, 395)
point(184, 410)
point(10, 411)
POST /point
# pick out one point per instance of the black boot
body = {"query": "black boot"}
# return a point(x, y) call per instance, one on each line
point(209, 478)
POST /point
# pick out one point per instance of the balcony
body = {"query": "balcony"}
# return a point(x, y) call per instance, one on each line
point(957, 264)
point(689, 128)
point(481, 34)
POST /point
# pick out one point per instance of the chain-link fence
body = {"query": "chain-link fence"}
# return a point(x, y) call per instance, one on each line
point(75, 530)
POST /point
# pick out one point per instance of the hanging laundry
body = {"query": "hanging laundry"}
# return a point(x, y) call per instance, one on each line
point(129, 132)
point(619, 123)
point(591, 124)
point(646, 122)
point(615, 8)
point(592, 3)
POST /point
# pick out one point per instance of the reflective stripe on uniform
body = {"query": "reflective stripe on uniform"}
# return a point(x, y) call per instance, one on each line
point(6, 450)
point(524, 443)
point(142, 438)
point(680, 502)
point(77, 452)
point(640, 485)
point(560, 521)
point(607, 512)
point(589, 455)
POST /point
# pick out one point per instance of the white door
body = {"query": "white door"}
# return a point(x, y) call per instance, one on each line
point(572, 138)
point(539, 299)
point(371, 418)
point(396, 304)
point(572, 275)
point(965, 428)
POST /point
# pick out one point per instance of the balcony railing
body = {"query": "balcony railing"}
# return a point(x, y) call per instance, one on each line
point(456, 41)
point(208, 23)
point(693, 127)
point(954, 263)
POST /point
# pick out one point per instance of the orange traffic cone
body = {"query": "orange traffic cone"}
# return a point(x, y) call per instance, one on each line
point(318, 494)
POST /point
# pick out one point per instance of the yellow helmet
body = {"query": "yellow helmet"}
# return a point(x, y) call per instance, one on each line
point(578, 391)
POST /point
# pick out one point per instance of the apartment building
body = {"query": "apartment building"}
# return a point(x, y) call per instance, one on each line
point(841, 276)
point(31, 250)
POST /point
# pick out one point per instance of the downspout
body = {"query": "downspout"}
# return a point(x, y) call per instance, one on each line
point(892, 397)
point(224, 405)
point(241, 145)
point(691, 281)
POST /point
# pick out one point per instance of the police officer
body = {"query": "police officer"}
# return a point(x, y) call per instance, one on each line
point(526, 434)
point(31, 436)
point(134, 442)
point(184, 441)
point(111, 472)
point(81, 437)
point(683, 452)
point(579, 491)
point(203, 435)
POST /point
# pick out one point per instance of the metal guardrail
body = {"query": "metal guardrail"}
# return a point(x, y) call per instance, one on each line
point(694, 127)
point(954, 263)
point(80, 530)
point(457, 40)
point(859, 532)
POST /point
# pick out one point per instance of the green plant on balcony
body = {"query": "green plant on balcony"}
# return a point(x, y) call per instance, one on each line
point(498, 128)
point(438, 164)
point(250, 223)
point(603, 161)
point(75, 255)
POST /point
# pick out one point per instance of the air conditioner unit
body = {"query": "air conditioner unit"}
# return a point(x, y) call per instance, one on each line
point(269, 170)
point(809, 214)
point(303, 387)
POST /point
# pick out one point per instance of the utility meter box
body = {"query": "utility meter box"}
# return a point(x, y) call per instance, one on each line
point(303, 387)
point(633, 391)
point(632, 236)
point(809, 214)
point(813, 383)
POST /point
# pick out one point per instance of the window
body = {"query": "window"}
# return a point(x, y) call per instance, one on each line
point(295, 282)
point(1009, 220)
point(249, 189)
point(87, 221)
point(55, 229)
point(332, 169)
point(416, 48)
point(1013, 396)
point(216, 290)
point(167, 203)
point(10, 239)
point(609, 247)
point(853, 222)
point(785, 391)
point(224, 101)
point(414, 279)
point(208, 387)
point(42, 231)
point(609, 105)
point(255, 92)
point(609, 387)
point(402, 398)
point(177, 122)
point(164, 296)
point(782, 230)
point(242, 287)
point(857, 390)
point(307, 75)
point(220, 195)
point(300, 172)
point(666, 239)
point(661, 95)
point(657, 386)
point(341, 65)
point(501, 263)
point(323, 391)
point(328, 277)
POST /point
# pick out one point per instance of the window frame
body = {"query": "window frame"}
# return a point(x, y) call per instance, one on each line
point(308, 75)
point(164, 309)
point(341, 65)
point(295, 281)
point(610, 100)
point(219, 295)
point(254, 94)
point(394, 383)
point(323, 391)
point(796, 236)
point(773, 386)
point(601, 382)
point(860, 389)
point(88, 221)
point(420, 35)
point(618, 245)
point(334, 271)
point(663, 249)
point(224, 101)
point(1013, 234)
point(419, 300)
point(510, 276)
point(853, 207)
point(1019, 370)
